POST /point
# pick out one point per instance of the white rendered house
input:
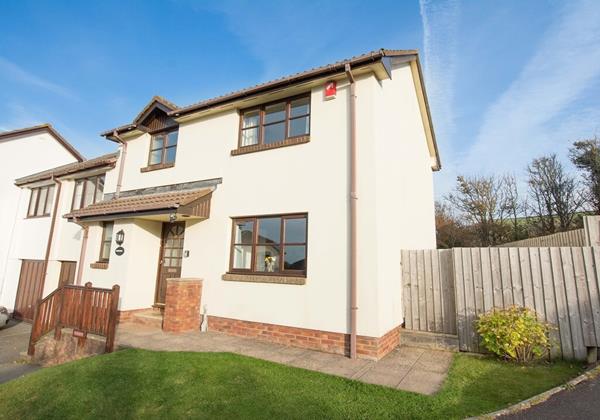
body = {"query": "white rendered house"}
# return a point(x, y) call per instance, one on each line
point(290, 200)
point(26, 151)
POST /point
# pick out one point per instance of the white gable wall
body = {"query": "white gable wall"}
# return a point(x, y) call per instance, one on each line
point(25, 155)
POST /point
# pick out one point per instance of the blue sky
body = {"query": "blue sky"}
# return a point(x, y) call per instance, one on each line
point(507, 81)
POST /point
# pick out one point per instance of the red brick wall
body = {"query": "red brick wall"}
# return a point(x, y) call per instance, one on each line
point(182, 305)
point(330, 342)
point(125, 316)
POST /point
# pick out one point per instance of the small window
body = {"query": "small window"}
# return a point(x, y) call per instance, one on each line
point(163, 148)
point(275, 122)
point(88, 191)
point(107, 231)
point(269, 245)
point(40, 201)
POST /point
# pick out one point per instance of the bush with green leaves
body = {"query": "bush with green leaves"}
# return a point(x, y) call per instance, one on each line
point(514, 333)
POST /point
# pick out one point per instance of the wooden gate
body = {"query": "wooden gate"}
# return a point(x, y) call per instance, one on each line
point(31, 286)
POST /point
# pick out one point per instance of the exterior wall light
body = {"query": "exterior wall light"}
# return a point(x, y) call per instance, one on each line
point(120, 237)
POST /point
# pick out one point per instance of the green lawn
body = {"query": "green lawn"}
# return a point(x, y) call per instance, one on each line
point(145, 384)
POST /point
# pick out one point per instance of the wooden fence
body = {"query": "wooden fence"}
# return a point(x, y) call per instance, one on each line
point(560, 284)
point(87, 309)
point(575, 237)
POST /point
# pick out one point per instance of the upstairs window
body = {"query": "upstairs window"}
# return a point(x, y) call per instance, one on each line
point(269, 245)
point(40, 201)
point(107, 232)
point(275, 122)
point(163, 148)
point(88, 191)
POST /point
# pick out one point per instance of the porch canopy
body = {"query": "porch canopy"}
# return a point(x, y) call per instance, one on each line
point(166, 206)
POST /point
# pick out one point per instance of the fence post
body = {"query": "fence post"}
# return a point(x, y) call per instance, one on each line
point(83, 321)
point(34, 328)
point(58, 321)
point(112, 319)
point(591, 225)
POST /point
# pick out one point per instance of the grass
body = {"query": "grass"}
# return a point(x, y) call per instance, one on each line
point(146, 384)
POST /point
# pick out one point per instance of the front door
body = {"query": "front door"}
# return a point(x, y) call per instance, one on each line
point(171, 253)
point(31, 286)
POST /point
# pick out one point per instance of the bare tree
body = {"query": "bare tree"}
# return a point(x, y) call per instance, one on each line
point(481, 202)
point(450, 232)
point(514, 206)
point(585, 155)
point(554, 194)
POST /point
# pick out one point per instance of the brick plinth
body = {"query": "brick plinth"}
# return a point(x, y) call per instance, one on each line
point(373, 348)
point(182, 305)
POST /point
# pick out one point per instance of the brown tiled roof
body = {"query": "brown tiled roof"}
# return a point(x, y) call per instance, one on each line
point(336, 67)
point(273, 84)
point(70, 168)
point(48, 128)
point(141, 203)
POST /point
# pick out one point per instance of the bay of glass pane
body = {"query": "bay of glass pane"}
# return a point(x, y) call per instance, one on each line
point(106, 250)
point(157, 142)
point(168, 252)
point(172, 138)
point(295, 231)
point(250, 119)
point(242, 256)
point(267, 258)
point(300, 107)
point(243, 232)
point(90, 191)
point(41, 202)
point(108, 231)
point(274, 133)
point(32, 201)
point(299, 126)
point(269, 230)
point(155, 157)
point(77, 195)
point(250, 136)
point(169, 243)
point(170, 156)
point(274, 113)
point(295, 257)
point(100, 188)
point(50, 199)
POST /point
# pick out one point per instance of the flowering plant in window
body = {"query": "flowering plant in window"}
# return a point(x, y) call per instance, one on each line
point(270, 263)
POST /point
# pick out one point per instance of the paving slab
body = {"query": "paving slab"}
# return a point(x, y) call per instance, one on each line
point(14, 339)
point(407, 368)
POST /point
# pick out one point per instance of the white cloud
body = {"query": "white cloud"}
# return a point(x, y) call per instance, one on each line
point(440, 21)
point(535, 115)
point(18, 74)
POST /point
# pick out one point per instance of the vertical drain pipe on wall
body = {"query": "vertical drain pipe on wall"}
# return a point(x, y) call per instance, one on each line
point(121, 162)
point(51, 232)
point(84, 240)
point(353, 200)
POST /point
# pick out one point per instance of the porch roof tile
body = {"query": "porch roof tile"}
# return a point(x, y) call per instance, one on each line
point(143, 203)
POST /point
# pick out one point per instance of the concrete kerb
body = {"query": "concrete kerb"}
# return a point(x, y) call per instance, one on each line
point(540, 398)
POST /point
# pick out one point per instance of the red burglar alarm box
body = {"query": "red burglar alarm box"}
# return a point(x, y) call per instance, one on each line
point(330, 90)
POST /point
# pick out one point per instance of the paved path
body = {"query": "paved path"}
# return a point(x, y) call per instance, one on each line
point(581, 402)
point(14, 339)
point(406, 368)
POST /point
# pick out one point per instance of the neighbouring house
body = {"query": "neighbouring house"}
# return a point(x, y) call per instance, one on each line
point(282, 207)
point(26, 151)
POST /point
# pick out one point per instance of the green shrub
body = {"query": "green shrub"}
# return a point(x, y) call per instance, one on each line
point(514, 334)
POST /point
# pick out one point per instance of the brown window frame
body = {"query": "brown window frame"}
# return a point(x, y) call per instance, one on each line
point(163, 155)
point(261, 120)
point(103, 240)
point(47, 210)
point(84, 190)
point(281, 244)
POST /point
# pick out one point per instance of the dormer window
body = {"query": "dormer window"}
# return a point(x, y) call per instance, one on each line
point(163, 148)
